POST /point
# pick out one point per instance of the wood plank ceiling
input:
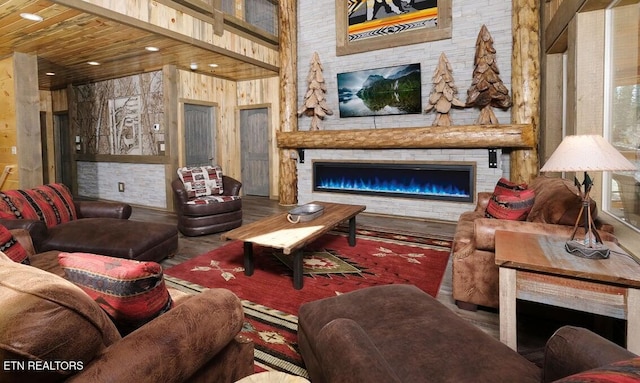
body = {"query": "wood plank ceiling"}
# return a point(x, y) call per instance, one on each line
point(67, 39)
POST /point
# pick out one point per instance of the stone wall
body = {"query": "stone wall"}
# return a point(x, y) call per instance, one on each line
point(317, 34)
point(144, 184)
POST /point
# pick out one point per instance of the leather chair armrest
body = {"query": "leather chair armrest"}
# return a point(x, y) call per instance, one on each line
point(24, 239)
point(103, 209)
point(172, 347)
point(346, 347)
point(571, 350)
point(483, 201)
point(179, 192)
point(231, 186)
point(485, 230)
point(36, 228)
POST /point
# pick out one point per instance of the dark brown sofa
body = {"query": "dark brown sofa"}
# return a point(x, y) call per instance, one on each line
point(475, 273)
point(98, 227)
point(56, 322)
point(398, 333)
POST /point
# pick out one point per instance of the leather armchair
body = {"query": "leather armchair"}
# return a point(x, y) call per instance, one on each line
point(209, 217)
point(196, 341)
point(475, 274)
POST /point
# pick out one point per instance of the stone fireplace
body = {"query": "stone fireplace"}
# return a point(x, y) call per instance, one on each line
point(475, 162)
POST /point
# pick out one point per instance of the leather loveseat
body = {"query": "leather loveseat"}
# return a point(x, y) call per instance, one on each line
point(56, 221)
point(475, 274)
point(398, 333)
point(52, 331)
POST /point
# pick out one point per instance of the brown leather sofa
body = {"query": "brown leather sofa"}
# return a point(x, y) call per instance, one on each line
point(102, 227)
point(398, 333)
point(57, 333)
point(207, 218)
point(475, 274)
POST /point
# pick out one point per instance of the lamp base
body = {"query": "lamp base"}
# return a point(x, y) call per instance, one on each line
point(595, 251)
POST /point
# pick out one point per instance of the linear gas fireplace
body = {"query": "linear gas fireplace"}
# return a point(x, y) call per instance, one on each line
point(452, 181)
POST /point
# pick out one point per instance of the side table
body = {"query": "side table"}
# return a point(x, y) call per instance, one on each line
point(537, 268)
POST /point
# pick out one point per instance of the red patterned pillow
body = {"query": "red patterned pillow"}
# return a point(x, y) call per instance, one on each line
point(131, 292)
point(52, 204)
point(201, 181)
point(510, 201)
point(626, 371)
point(11, 247)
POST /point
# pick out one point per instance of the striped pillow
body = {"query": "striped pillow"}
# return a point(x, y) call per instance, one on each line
point(131, 292)
point(11, 247)
point(52, 204)
point(626, 371)
point(510, 201)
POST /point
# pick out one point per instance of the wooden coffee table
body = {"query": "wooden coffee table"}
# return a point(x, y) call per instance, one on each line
point(278, 233)
point(537, 268)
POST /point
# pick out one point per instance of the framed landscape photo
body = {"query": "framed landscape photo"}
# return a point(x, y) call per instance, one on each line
point(366, 25)
point(380, 92)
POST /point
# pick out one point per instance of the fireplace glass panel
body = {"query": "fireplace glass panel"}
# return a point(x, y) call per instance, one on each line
point(450, 182)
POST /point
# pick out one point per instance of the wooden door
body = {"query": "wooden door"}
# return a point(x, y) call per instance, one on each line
point(64, 149)
point(199, 127)
point(254, 139)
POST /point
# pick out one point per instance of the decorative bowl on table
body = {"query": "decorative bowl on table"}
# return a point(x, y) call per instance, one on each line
point(304, 213)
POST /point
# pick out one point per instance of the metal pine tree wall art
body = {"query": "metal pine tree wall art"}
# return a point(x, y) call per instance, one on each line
point(315, 105)
point(487, 90)
point(444, 93)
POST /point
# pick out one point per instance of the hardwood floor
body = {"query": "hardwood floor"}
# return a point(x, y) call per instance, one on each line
point(532, 330)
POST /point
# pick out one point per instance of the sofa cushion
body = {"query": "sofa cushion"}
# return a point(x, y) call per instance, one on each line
point(557, 201)
point(510, 201)
point(212, 199)
point(46, 318)
point(626, 371)
point(52, 204)
point(11, 247)
point(202, 180)
point(131, 292)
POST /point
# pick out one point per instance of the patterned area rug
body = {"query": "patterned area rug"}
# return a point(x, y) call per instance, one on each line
point(331, 267)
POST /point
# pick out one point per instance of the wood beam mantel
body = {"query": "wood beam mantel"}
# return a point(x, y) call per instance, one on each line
point(462, 137)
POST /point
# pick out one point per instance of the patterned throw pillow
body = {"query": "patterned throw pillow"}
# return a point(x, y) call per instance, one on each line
point(11, 247)
point(626, 371)
point(201, 181)
point(131, 292)
point(52, 204)
point(510, 201)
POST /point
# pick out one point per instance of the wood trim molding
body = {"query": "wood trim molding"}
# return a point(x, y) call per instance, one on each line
point(459, 137)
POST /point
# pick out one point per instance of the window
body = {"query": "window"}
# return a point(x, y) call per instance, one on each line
point(623, 122)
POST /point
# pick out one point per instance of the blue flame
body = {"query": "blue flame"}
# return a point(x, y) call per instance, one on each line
point(376, 185)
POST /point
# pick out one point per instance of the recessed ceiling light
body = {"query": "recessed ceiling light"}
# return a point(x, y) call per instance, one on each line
point(193, 66)
point(50, 74)
point(152, 49)
point(93, 63)
point(213, 65)
point(31, 16)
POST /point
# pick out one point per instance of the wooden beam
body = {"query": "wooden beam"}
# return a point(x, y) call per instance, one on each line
point(287, 25)
point(556, 30)
point(462, 137)
point(27, 114)
point(525, 85)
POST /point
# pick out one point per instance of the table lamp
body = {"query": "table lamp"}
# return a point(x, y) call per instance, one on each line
point(586, 153)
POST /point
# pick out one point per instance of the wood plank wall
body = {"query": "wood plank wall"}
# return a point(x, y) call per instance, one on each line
point(8, 133)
